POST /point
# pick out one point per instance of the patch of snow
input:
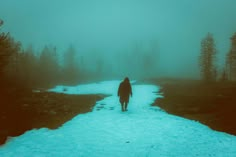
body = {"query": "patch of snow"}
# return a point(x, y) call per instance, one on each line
point(143, 130)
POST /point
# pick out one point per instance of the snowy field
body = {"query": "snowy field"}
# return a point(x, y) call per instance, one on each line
point(142, 131)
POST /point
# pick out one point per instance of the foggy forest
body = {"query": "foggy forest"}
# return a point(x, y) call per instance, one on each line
point(187, 49)
point(113, 40)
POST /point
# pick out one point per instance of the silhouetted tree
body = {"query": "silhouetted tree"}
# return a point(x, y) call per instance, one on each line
point(71, 70)
point(1, 22)
point(207, 59)
point(224, 76)
point(48, 72)
point(135, 61)
point(8, 47)
point(100, 66)
point(231, 59)
point(149, 59)
point(28, 65)
point(15, 70)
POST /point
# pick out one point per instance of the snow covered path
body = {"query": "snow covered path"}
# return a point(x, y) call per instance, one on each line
point(143, 131)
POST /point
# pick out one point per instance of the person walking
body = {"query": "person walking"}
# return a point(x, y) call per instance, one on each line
point(124, 92)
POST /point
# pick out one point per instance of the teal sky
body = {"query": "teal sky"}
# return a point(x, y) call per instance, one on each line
point(112, 26)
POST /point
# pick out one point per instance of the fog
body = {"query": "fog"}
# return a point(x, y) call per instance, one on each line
point(117, 34)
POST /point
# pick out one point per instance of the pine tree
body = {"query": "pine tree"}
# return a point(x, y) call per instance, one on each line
point(8, 47)
point(207, 59)
point(28, 66)
point(150, 57)
point(48, 66)
point(231, 59)
point(224, 77)
point(71, 70)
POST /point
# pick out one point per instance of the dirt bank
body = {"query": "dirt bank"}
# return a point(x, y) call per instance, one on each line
point(25, 110)
point(211, 104)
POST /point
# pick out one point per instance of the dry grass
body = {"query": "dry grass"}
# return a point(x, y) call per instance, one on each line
point(211, 104)
point(24, 110)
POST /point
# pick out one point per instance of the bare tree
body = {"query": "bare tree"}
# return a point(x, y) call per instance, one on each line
point(71, 70)
point(231, 59)
point(207, 59)
point(48, 66)
point(150, 57)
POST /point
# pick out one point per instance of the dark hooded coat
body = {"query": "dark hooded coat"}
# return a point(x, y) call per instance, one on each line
point(125, 91)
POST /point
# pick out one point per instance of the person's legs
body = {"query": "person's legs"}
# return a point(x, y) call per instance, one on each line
point(126, 104)
point(123, 106)
point(122, 103)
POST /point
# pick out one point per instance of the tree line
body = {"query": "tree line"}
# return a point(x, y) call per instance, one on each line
point(47, 67)
point(208, 57)
point(26, 67)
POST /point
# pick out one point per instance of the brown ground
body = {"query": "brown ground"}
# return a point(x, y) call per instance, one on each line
point(211, 104)
point(24, 110)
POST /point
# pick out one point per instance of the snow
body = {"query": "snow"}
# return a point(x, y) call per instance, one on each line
point(143, 130)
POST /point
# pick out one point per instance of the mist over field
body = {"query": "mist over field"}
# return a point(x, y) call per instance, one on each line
point(73, 73)
point(136, 38)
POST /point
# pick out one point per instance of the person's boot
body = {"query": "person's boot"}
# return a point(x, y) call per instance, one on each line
point(122, 107)
point(126, 105)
